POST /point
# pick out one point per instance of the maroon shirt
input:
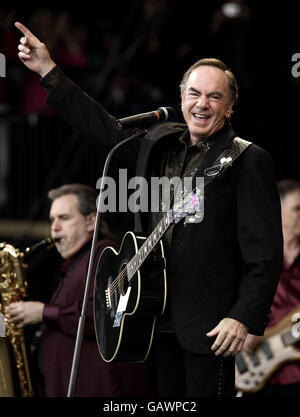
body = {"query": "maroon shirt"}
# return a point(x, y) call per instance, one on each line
point(95, 377)
point(287, 297)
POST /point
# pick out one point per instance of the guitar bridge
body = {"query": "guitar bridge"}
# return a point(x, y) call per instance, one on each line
point(107, 299)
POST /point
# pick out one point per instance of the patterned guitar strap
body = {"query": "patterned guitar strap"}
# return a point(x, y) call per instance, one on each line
point(223, 161)
point(238, 145)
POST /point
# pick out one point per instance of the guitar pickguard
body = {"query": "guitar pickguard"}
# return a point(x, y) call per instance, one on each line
point(117, 294)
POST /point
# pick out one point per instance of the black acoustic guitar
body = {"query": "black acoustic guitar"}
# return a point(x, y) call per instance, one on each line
point(130, 288)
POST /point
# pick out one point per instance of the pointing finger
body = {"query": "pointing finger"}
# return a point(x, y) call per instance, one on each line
point(22, 28)
point(29, 37)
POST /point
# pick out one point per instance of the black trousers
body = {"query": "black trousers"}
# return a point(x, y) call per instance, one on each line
point(185, 374)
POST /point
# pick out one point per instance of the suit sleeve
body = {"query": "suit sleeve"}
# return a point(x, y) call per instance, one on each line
point(260, 239)
point(83, 113)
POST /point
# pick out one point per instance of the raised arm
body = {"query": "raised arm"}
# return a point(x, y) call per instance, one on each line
point(33, 53)
point(80, 110)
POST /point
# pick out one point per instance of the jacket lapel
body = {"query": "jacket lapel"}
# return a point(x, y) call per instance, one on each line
point(153, 137)
point(157, 134)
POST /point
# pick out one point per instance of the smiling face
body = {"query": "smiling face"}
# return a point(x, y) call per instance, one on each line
point(205, 102)
point(68, 224)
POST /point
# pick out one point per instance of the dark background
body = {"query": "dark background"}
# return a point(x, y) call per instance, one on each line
point(131, 56)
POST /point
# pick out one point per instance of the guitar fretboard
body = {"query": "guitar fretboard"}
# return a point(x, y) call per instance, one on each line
point(149, 244)
point(188, 205)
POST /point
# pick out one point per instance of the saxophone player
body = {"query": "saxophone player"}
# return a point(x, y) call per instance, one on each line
point(72, 217)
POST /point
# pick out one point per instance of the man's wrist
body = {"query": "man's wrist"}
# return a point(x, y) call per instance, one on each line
point(48, 68)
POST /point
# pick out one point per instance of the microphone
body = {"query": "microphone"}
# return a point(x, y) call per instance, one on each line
point(145, 119)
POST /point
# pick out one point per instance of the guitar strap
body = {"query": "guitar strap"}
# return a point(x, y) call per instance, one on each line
point(219, 166)
point(221, 163)
point(225, 159)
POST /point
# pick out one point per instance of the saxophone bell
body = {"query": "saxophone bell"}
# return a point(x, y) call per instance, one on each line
point(13, 354)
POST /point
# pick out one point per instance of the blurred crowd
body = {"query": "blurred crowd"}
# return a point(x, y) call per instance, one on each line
point(131, 56)
point(122, 57)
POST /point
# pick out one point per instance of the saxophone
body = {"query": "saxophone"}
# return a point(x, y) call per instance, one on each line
point(15, 377)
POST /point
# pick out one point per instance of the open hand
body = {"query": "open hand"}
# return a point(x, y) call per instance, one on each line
point(231, 335)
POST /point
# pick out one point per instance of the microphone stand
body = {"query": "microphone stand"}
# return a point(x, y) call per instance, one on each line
point(81, 322)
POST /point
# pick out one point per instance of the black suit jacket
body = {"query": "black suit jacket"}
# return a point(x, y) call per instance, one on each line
point(229, 264)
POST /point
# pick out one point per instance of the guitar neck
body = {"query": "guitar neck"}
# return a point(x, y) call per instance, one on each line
point(149, 244)
point(189, 204)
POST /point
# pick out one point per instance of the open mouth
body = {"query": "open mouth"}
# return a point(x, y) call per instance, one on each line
point(201, 117)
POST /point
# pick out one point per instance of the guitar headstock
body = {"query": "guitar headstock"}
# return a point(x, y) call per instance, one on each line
point(190, 206)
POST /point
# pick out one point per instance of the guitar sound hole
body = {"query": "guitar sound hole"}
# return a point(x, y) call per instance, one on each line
point(123, 286)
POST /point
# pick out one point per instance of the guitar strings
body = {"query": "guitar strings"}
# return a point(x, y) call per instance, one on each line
point(115, 284)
